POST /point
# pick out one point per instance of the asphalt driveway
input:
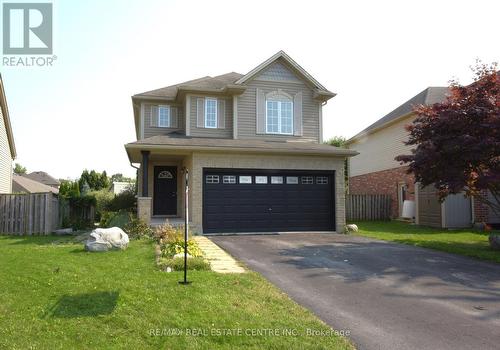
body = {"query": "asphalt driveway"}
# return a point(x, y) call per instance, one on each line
point(389, 296)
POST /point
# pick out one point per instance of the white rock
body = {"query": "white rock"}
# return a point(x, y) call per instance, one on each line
point(169, 269)
point(352, 228)
point(102, 239)
point(181, 255)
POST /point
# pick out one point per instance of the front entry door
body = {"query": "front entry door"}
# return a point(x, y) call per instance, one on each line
point(165, 195)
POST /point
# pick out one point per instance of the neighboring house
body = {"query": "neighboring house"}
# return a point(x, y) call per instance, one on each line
point(374, 170)
point(43, 177)
point(118, 187)
point(21, 184)
point(7, 146)
point(252, 145)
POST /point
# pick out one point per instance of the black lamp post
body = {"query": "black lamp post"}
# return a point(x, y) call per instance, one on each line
point(186, 224)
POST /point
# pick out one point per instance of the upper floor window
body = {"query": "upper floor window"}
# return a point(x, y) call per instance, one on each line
point(279, 114)
point(210, 113)
point(164, 116)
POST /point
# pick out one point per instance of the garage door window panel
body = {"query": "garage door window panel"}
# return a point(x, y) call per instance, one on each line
point(212, 179)
point(245, 179)
point(307, 180)
point(268, 200)
point(229, 179)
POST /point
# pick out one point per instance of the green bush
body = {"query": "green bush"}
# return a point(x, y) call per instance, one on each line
point(123, 201)
point(177, 264)
point(80, 224)
point(137, 229)
point(115, 219)
point(103, 199)
point(171, 241)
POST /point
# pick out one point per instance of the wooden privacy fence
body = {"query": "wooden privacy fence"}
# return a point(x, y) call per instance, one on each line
point(27, 214)
point(368, 207)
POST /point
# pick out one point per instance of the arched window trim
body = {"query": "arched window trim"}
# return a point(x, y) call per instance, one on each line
point(282, 99)
point(279, 95)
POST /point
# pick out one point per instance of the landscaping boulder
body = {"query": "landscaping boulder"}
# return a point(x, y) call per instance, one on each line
point(351, 228)
point(494, 241)
point(103, 239)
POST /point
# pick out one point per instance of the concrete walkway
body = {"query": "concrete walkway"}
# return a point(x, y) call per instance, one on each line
point(220, 261)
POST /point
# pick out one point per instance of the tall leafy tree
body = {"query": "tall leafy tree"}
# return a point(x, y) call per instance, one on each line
point(118, 177)
point(94, 180)
point(457, 142)
point(19, 169)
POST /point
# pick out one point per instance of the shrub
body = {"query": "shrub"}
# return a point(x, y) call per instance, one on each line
point(123, 201)
point(115, 219)
point(177, 264)
point(138, 229)
point(80, 224)
point(171, 241)
point(103, 199)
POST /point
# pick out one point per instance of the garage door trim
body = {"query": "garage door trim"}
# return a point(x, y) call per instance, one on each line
point(268, 172)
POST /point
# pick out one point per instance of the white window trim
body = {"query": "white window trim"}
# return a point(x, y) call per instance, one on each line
point(279, 118)
point(206, 112)
point(169, 120)
point(229, 179)
point(212, 179)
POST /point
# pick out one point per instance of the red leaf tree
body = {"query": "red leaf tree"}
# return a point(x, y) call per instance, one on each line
point(457, 142)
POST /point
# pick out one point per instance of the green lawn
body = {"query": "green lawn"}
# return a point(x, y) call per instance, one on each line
point(54, 295)
point(465, 242)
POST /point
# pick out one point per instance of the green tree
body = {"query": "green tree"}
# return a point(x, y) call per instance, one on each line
point(75, 191)
point(341, 141)
point(337, 141)
point(104, 181)
point(65, 189)
point(118, 177)
point(94, 180)
point(19, 169)
point(455, 144)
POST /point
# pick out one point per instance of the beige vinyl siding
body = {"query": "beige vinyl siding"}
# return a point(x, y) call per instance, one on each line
point(278, 72)
point(247, 111)
point(154, 130)
point(5, 159)
point(225, 133)
point(378, 150)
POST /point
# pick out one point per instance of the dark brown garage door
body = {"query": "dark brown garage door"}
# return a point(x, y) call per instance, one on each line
point(238, 200)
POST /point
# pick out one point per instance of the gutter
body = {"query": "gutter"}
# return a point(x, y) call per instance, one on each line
point(338, 152)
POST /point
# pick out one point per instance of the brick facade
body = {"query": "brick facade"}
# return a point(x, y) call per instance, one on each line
point(384, 182)
point(259, 161)
point(481, 211)
point(199, 160)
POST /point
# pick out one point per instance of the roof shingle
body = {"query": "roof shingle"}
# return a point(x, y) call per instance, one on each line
point(428, 97)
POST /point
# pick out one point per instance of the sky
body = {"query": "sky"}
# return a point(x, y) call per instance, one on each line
point(375, 55)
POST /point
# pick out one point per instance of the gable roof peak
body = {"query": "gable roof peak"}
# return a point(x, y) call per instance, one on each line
point(294, 65)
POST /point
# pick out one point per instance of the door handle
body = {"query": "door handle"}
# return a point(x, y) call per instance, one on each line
point(270, 209)
point(174, 194)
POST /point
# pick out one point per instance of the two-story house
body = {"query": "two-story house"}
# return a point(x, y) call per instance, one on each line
point(252, 145)
point(375, 171)
point(7, 146)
